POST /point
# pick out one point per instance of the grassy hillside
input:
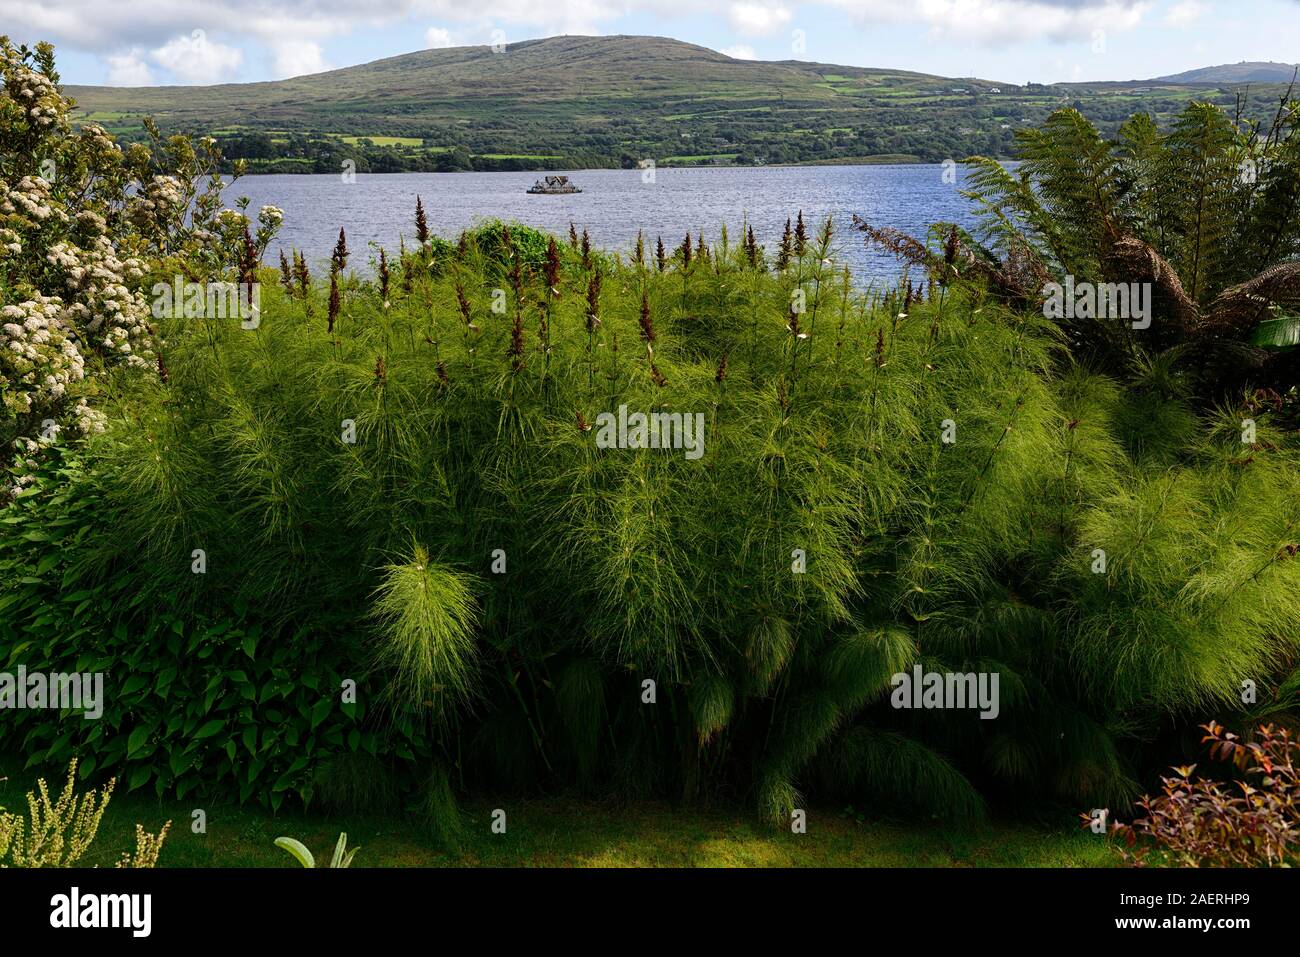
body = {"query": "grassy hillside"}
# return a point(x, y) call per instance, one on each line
point(567, 102)
point(1248, 71)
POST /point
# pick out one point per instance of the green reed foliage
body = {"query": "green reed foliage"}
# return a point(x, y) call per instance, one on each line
point(423, 481)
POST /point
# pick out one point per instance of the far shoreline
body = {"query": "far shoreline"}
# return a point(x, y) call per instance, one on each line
point(856, 161)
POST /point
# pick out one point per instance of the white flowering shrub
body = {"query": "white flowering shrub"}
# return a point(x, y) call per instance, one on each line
point(86, 229)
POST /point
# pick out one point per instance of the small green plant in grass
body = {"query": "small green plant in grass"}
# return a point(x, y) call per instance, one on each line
point(301, 853)
point(59, 832)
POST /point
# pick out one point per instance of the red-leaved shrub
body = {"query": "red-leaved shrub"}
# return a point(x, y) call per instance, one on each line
point(1253, 822)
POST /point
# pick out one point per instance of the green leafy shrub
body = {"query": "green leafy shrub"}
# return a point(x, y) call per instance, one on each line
point(195, 705)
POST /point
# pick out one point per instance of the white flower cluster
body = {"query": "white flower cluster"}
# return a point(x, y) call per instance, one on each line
point(38, 353)
point(100, 302)
point(28, 202)
point(34, 93)
point(158, 206)
point(88, 421)
point(92, 223)
point(99, 137)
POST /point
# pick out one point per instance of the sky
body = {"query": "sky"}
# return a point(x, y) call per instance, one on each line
point(154, 42)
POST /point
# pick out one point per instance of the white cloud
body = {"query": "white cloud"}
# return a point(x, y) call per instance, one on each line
point(196, 59)
point(289, 33)
point(1185, 13)
point(758, 18)
point(993, 22)
point(739, 52)
point(128, 69)
point(532, 18)
point(297, 58)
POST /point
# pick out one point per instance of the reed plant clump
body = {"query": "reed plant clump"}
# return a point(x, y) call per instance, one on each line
point(450, 484)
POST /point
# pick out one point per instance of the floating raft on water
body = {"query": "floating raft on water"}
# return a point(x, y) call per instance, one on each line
point(552, 185)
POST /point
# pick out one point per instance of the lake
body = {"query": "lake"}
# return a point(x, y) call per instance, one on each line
point(615, 204)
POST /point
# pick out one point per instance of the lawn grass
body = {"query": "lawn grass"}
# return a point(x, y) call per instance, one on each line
point(570, 832)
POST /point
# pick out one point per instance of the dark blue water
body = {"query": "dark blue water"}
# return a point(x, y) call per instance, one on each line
point(615, 204)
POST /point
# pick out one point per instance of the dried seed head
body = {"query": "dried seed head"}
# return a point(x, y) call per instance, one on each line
point(340, 257)
point(462, 303)
point(421, 223)
point(302, 274)
point(647, 321)
point(248, 260)
point(516, 350)
point(593, 302)
point(951, 247)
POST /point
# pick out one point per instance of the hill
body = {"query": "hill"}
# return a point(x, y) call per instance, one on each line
point(572, 102)
point(1244, 72)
